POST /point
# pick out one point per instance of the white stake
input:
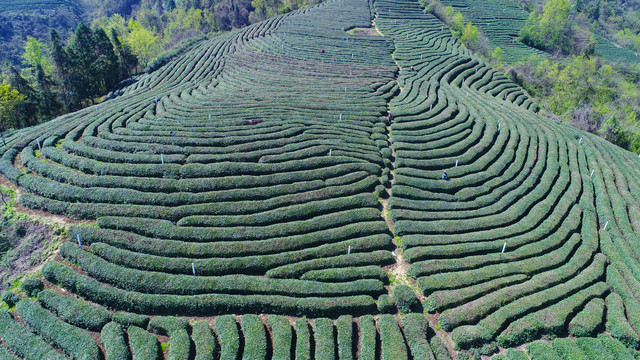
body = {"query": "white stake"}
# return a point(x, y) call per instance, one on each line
point(580, 142)
point(340, 116)
point(242, 89)
point(156, 99)
point(456, 163)
point(79, 243)
point(605, 225)
point(591, 173)
point(345, 90)
point(329, 152)
point(162, 158)
point(504, 247)
point(430, 106)
point(209, 116)
point(349, 251)
point(39, 147)
point(193, 267)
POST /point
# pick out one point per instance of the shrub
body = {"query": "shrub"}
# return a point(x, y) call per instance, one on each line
point(74, 311)
point(113, 340)
point(303, 339)
point(617, 324)
point(368, 338)
point(205, 342)
point(587, 321)
point(10, 298)
point(415, 330)
point(439, 349)
point(386, 304)
point(617, 348)
point(541, 350)
point(23, 342)
point(406, 299)
point(324, 338)
point(282, 336)
point(176, 329)
point(143, 344)
point(129, 319)
point(393, 345)
point(227, 330)
point(31, 286)
point(255, 338)
point(344, 326)
point(347, 274)
point(594, 349)
point(75, 342)
point(568, 349)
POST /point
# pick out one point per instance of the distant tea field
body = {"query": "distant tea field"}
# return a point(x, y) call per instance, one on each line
point(346, 181)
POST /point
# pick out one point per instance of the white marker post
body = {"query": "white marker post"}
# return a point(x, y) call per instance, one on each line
point(79, 243)
point(39, 147)
point(349, 251)
point(330, 152)
point(605, 225)
point(209, 116)
point(345, 90)
point(580, 142)
point(591, 173)
point(193, 267)
point(456, 163)
point(504, 247)
point(162, 158)
point(340, 116)
point(156, 99)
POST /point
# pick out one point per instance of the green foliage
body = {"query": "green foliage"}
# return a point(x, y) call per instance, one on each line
point(23, 342)
point(345, 337)
point(143, 344)
point(541, 350)
point(255, 338)
point(324, 339)
point(114, 342)
point(75, 342)
point(303, 339)
point(10, 298)
point(226, 328)
point(31, 286)
point(588, 321)
point(406, 299)
point(282, 337)
point(393, 344)
point(75, 311)
point(415, 328)
point(206, 344)
point(617, 324)
point(386, 304)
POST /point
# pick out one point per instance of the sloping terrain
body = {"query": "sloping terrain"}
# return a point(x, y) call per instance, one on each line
point(258, 174)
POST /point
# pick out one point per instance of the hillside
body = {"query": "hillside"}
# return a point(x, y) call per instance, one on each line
point(250, 200)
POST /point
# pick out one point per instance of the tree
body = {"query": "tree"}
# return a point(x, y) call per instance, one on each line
point(10, 99)
point(169, 5)
point(107, 62)
point(61, 63)
point(144, 43)
point(128, 61)
point(34, 55)
point(86, 75)
point(554, 17)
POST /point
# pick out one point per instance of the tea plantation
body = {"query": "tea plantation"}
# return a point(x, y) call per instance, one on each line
point(253, 199)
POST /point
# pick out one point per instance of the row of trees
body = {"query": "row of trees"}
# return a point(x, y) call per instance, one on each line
point(62, 78)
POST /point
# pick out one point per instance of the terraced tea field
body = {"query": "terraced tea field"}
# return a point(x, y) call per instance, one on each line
point(250, 200)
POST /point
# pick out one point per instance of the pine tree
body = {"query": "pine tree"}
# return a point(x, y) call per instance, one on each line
point(107, 59)
point(60, 64)
point(86, 75)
